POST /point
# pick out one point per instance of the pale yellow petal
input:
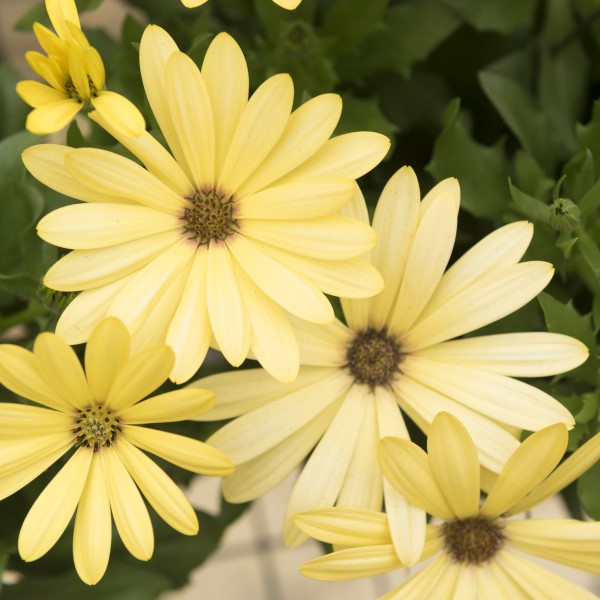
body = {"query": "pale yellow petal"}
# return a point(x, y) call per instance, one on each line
point(59, 366)
point(322, 345)
point(273, 342)
point(156, 47)
point(567, 472)
point(37, 94)
point(407, 468)
point(118, 176)
point(46, 162)
point(54, 507)
point(120, 112)
point(498, 397)
point(491, 297)
point(256, 477)
point(155, 157)
point(493, 580)
point(228, 314)
point(182, 451)
point(177, 405)
point(291, 292)
point(99, 225)
point(500, 249)
point(106, 353)
point(140, 376)
point(322, 477)
point(93, 527)
point(528, 466)
point(346, 526)
point(454, 464)
point(352, 563)
point(83, 313)
point(428, 256)
point(133, 303)
point(309, 200)
point(349, 278)
point(288, 4)
point(225, 73)
point(258, 431)
point(534, 354)
point(21, 421)
point(27, 470)
point(259, 128)
point(407, 521)
point(191, 115)
point(62, 12)
point(334, 237)
point(50, 118)
point(164, 496)
point(128, 508)
point(19, 372)
point(395, 221)
point(538, 581)
point(450, 184)
point(259, 389)
point(84, 269)
point(26, 450)
point(307, 129)
point(189, 331)
point(349, 155)
point(566, 541)
point(363, 484)
point(419, 585)
point(494, 443)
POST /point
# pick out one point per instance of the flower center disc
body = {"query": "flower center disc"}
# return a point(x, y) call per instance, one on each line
point(373, 357)
point(96, 427)
point(474, 540)
point(209, 217)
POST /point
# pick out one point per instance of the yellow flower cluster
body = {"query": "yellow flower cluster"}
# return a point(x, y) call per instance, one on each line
point(232, 238)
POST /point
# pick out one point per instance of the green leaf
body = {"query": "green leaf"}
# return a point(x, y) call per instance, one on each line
point(563, 318)
point(364, 114)
point(529, 176)
point(563, 74)
point(349, 22)
point(589, 251)
point(481, 170)
point(588, 489)
point(529, 125)
point(590, 203)
point(528, 206)
point(121, 582)
point(588, 136)
point(411, 32)
point(579, 176)
point(503, 16)
point(13, 111)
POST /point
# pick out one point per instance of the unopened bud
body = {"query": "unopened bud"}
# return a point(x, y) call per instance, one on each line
point(563, 215)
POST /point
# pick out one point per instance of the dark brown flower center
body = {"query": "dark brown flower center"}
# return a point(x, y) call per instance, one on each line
point(474, 540)
point(96, 427)
point(373, 357)
point(209, 216)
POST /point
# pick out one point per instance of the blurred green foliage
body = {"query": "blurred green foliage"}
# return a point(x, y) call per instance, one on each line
point(501, 94)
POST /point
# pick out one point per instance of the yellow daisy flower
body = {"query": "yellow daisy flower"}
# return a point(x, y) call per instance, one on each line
point(479, 551)
point(394, 353)
point(242, 228)
point(287, 4)
point(75, 75)
point(98, 415)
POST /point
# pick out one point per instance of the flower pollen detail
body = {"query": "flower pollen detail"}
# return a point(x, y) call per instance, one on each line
point(209, 217)
point(472, 541)
point(374, 357)
point(96, 427)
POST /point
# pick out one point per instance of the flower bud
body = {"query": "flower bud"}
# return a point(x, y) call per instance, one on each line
point(563, 215)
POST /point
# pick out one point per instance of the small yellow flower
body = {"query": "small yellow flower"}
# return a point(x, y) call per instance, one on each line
point(75, 75)
point(479, 551)
point(396, 351)
point(287, 4)
point(98, 413)
point(218, 242)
